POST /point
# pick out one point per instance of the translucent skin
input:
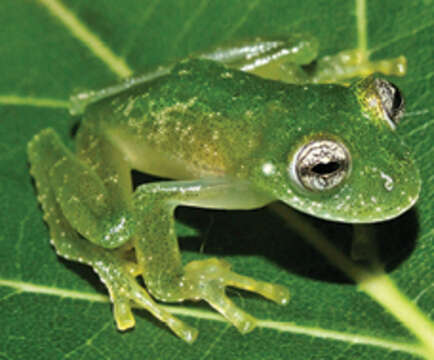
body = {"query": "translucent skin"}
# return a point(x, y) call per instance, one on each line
point(228, 139)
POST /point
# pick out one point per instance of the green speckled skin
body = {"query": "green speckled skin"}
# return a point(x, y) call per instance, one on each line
point(221, 122)
point(228, 139)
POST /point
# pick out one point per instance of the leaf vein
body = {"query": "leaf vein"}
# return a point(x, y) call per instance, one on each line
point(189, 23)
point(215, 342)
point(243, 20)
point(86, 36)
point(420, 127)
point(88, 342)
point(31, 101)
point(139, 28)
point(19, 242)
point(287, 327)
point(399, 38)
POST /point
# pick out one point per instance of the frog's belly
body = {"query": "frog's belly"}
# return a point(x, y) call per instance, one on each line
point(229, 194)
point(147, 158)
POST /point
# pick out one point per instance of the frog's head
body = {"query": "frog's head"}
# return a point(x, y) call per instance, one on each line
point(353, 167)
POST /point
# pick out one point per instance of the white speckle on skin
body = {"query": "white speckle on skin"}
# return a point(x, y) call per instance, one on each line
point(226, 75)
point(374, 199)
point(248, 113)
point(378, 209)
point(268, 168)
point(388, 184)
point(297, 200)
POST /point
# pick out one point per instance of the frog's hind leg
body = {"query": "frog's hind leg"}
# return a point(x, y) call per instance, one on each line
point(158, 253)
point(44, 150)
point(294, 59)
point(277, 58)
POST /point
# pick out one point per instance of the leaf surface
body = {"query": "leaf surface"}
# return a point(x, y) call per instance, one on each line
point(54, 309)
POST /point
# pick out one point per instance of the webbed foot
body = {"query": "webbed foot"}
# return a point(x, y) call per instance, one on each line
point(207, 280)
point(124, 289)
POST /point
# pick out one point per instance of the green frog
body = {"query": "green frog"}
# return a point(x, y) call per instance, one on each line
point(235, 128)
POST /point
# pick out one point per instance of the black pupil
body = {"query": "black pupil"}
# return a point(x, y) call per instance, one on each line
point(397, 99)
point(324, 169)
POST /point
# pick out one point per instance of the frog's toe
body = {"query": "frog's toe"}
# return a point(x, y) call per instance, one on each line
point(122, 313)
point(181, 329)
point(124, 291)
point(215, 296)
point(277, 293)
point(209, 278)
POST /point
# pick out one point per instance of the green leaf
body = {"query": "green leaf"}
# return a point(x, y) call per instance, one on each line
point(52, 308)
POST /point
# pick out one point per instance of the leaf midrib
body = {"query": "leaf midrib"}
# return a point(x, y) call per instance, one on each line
point(287, 327)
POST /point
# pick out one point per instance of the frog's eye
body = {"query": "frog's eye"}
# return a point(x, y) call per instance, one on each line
point(320, 165)
point(391, 100)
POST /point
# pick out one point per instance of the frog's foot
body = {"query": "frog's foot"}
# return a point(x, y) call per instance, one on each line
point(208, 279)
point(347, 65)
point(124, 289)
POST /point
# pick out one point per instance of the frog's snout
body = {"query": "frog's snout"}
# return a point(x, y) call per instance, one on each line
point(371, 195)
point(377, 196)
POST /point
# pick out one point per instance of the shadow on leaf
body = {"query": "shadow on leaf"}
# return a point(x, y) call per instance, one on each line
point(262, 233)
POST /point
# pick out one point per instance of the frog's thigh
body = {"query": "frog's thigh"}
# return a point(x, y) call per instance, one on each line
point(82, 194)
point(158, 253)
point(121, 285)
point(107, 161)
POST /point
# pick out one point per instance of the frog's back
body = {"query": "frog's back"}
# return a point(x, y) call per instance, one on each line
point(202, 115)
point(195, 116)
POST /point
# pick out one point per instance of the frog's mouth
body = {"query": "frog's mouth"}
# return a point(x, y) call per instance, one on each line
point(374, 197)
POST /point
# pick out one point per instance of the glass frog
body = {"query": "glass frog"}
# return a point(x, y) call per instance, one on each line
point(231, 136)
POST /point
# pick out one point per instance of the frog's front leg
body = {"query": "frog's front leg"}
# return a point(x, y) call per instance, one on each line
point(158, 253)
point(80, 100)
point(70, 195)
